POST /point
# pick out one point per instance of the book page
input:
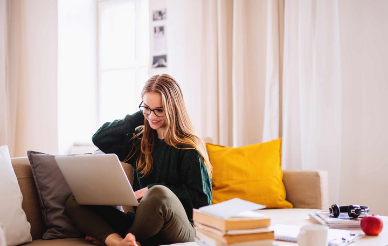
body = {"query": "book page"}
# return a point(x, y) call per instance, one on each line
point(230, 208)
point(249, 214)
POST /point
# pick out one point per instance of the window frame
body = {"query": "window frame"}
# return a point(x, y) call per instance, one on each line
point(137, 67)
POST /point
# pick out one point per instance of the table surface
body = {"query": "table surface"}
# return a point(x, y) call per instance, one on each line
point(282, 216)
point(380, 240)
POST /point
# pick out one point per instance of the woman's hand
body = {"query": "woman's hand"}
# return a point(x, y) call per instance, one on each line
point(140, 193)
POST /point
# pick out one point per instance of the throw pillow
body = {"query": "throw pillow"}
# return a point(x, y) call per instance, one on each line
point(252, 173)
point(12, 216)
point(53, 192)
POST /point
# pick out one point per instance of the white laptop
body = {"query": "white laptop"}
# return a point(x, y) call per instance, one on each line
point(97, 180)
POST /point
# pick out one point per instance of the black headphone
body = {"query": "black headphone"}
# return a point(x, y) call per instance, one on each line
point(353, 210)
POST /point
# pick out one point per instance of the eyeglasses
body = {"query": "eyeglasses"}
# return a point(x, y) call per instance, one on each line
point(147, 111)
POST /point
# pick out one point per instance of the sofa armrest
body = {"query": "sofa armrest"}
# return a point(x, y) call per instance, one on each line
point(307, 188)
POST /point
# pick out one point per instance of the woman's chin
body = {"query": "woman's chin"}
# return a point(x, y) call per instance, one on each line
point(155, 127)
point(161, 124)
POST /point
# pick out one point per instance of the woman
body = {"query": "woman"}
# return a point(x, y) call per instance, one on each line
point(171, 172)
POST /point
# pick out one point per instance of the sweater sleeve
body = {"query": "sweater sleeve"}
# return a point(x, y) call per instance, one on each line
point(114, 137)
point(196, 188)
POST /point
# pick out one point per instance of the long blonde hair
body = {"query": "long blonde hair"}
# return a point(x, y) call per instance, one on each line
point(179, 129)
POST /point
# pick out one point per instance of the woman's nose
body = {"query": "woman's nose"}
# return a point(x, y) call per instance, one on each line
point(152, 116)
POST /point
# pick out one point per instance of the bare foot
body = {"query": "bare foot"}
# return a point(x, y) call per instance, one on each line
point(129, 240)
point(95, 241)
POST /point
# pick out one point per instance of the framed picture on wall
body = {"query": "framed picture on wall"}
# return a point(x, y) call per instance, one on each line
point(158, 15)
point(160, 42)
point(159, 61)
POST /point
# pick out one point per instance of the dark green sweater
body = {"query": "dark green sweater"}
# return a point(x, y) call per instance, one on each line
point(182, 171)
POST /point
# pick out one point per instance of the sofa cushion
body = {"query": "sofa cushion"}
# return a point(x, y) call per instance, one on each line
point(252, 173)
point(12, 216)
point(30, 204)
point(53, 191)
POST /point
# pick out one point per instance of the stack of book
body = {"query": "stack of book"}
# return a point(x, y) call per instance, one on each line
point(341, 222)
point(243, 229)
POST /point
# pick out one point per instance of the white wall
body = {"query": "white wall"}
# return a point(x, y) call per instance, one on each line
point(364, 54)
point(37, 98)
point(77, 72)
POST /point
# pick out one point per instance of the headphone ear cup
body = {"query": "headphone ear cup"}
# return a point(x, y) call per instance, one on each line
point(364, 209)
point(335, 210)
point(354, 211)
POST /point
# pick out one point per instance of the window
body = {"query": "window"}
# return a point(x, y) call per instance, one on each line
point(123, 56)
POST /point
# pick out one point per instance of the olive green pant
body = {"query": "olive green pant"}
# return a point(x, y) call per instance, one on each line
point(160, 219)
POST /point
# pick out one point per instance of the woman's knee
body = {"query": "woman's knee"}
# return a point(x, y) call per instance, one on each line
point(159, 193)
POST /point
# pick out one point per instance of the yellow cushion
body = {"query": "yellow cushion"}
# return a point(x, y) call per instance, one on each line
point(252, 173)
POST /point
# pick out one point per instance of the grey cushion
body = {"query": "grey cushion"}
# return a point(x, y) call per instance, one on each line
point(53, 191)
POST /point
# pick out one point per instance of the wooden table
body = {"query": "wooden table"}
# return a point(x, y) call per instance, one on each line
point(300, 217)
point(380, 240)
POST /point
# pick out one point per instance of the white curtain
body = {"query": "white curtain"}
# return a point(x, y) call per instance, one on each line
point(225, 56)
point(364, 56)
point(241, 87)
point(323, 85)
point(3, 49)
point(28, 76)
point(8, 90)
point(312, 89)
point(334, 96)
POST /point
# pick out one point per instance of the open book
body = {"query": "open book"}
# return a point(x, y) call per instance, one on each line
point(234, 214)
point(230, 208)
